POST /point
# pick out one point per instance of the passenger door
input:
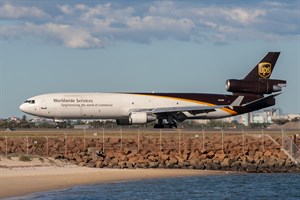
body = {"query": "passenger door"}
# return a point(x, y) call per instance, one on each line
point(44, 109)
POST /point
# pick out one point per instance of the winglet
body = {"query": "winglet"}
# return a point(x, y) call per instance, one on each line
point(237, 101)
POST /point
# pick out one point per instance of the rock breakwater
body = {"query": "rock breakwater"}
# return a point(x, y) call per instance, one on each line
point(250, 154)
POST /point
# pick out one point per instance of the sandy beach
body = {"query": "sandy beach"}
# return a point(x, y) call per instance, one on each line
point(18, 178)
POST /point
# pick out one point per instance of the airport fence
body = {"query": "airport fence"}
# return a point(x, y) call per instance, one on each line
point(290, 147)
point(49, 143)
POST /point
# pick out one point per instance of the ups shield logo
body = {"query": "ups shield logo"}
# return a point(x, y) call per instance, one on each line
point(264, 69)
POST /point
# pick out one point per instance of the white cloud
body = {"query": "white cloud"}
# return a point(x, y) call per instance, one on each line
point(90, 26)
point(11, 31)
point(69, 36)
point(242, 15)
point(162, 8)
point(14, 12)
point(160, 24)
point(72, 37)
point(274, 4)
point(66, 9)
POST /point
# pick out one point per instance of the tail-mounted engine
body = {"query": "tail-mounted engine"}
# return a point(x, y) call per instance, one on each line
point(260, 87)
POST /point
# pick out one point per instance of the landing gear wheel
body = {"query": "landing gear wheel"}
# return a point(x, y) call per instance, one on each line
point(174, 125)
point(169, 125)
point(158, 126)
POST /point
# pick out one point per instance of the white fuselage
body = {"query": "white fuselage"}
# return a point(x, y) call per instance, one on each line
point(107, 105)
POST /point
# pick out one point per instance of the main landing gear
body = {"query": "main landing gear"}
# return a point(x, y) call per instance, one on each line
point(162, 125)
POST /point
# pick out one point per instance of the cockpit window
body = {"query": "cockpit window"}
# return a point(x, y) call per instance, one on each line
point(30, 101)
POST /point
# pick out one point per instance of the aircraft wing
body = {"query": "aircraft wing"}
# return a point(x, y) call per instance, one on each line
point(196, 109)
point(191, 109)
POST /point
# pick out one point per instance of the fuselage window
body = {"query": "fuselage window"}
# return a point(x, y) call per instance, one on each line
point(30, 101)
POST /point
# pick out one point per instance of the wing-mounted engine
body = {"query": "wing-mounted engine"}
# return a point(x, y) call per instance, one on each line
point(137, 118)
point(259, 87)
point(141, 117)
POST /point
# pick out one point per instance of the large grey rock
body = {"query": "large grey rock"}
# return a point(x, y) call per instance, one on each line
point(153, 164)
point(251, 168)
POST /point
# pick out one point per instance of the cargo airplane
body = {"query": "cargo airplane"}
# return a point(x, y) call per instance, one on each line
point(256, 91)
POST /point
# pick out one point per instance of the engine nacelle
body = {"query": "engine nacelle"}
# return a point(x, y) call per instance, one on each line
point(136, 118)
point(123, 121)
point(262, 86)
point(141, 117)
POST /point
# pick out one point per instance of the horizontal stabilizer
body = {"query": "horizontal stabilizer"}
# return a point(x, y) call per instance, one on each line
point(262, 102)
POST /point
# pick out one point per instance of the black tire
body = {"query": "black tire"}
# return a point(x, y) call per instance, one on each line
point(174, 125)
point(158, 126)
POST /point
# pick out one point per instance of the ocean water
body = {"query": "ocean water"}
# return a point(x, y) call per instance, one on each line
point(232, 186)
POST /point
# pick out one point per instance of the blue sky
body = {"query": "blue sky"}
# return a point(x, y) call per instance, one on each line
point(143, 46)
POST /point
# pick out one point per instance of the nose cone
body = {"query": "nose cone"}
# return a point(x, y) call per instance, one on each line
point(24, 108)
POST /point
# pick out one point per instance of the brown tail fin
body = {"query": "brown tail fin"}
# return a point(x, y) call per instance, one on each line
point(257, 82)
point(264, 68)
